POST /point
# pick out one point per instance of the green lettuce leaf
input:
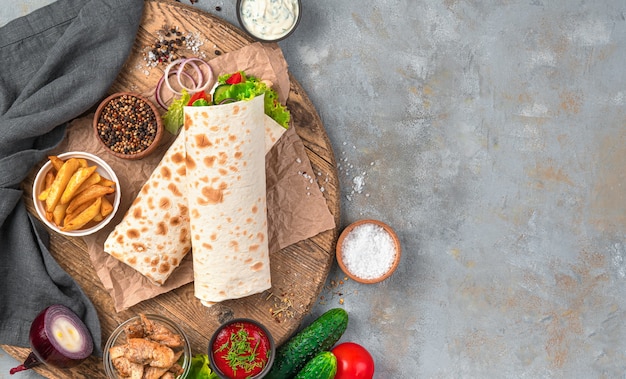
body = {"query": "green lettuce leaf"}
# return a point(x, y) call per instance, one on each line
point(200, 368)
point(275, 109)
point(174, 117)
point(251, 87)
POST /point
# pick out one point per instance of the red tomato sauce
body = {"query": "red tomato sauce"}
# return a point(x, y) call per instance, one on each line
point(241, 350)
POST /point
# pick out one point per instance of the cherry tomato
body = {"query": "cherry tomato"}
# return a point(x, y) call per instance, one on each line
point(353, 361)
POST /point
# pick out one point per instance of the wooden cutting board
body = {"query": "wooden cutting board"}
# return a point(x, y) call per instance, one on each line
point(298, 271)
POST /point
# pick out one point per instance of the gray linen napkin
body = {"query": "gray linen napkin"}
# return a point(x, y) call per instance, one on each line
point(55, 64)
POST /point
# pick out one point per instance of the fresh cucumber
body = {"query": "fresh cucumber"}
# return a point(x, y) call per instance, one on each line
point(322, 366)
point(319, 336)
point(218, 93)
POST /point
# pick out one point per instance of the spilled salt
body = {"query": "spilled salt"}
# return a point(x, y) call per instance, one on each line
point(368, 251)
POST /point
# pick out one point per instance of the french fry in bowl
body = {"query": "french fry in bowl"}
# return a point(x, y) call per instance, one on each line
point(76, 193)
point(60, 183)
point(79, 177)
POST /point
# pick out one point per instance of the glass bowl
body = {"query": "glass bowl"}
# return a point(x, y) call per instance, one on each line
point(102, 168)
point(119, 337)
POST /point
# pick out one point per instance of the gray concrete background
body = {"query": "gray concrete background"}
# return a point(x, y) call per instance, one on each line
point(491, 135)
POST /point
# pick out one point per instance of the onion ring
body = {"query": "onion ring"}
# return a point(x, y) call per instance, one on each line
point(181, 69)
point(166, 75)
point(203, 82)
point(159, 87)
point(227, 100)
point(177, 67)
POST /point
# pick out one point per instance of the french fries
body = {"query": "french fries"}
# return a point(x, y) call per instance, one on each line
point(63, 177)
point(74, 194)
point(88, 195)
point(79, 177)
point(83, 217)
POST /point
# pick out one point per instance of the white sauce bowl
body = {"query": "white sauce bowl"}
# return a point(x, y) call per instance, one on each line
point(269, 20)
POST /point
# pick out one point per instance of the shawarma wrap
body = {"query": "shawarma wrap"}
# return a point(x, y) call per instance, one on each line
point(225, 172)
point(153, 237)
point(155, 233)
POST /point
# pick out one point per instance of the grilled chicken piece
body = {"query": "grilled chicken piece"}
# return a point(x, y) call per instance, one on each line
point(159, 333)
point(117, 351)
point(148, 351)
point(141, 350)
point(154, 372)
point(176, 369)
point(135, 329)
point(163, 372)
point(128, 369)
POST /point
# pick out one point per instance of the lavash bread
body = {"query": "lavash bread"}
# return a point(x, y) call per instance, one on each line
point(153, 237)
point(225, 168)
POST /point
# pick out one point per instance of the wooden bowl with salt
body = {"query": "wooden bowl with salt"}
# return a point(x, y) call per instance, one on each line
point(368, 251)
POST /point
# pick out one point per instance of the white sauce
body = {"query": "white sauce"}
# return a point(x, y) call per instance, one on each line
point(66, 335)
point(269, 19)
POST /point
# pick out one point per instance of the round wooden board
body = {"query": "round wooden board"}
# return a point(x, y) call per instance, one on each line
point(298, 271)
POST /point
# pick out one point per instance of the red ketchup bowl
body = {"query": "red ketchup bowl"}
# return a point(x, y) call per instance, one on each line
point(239, 338)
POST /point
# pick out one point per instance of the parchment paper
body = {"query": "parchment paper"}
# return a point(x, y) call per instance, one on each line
point(297, 209)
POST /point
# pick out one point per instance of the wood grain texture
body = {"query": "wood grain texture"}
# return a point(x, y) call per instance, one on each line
point(298, 271)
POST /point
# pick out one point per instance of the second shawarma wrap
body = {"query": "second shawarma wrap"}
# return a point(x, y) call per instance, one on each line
point(227, 203)
point(208, 194)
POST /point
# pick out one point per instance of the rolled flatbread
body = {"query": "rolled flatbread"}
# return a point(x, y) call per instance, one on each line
point(153, 236)
point(225, 168)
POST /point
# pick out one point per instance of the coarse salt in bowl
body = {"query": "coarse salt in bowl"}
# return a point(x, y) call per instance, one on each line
point(368, 251)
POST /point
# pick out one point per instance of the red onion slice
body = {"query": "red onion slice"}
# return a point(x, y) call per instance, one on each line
point(166, 75)
point(159, 88)
point(58, 338)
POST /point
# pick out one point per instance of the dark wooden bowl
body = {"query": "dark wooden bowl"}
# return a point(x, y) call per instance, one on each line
point(159, 126)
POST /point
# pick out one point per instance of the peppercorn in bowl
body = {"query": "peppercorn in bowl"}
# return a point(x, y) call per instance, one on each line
point(128, 125)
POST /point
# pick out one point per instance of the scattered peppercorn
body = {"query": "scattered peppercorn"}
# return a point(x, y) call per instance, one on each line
point(127, 125)
point(218, 8)
point(171, 44)
point(217, 52)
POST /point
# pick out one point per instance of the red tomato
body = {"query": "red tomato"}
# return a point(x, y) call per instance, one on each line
point(353, 361)
point(198, 96)
point(235, 78)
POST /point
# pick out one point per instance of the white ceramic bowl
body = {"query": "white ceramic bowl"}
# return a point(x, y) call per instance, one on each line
point(102, 168)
